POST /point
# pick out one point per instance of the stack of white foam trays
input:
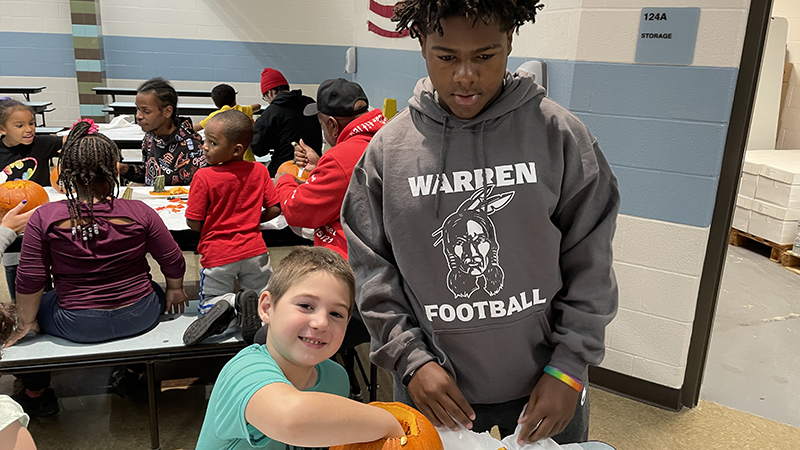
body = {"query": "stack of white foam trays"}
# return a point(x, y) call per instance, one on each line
point(768, 204)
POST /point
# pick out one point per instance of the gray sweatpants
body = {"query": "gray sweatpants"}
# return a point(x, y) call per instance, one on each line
point(253, 273)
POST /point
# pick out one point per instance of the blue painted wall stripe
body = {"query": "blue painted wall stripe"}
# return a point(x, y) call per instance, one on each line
point(222, 61)
point(36, 55)
point(671, 197)
point(686, 147)
point(667, 92)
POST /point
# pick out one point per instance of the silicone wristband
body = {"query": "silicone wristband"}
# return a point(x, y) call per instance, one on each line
point(571, 382)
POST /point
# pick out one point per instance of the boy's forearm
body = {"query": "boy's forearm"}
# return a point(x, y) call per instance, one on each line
point(256, 107)
point(270, 213)
point(306, 420)
point(195, 225)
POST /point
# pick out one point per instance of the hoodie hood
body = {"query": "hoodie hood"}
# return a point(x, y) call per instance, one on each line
point(517, 90)
point(292, 98)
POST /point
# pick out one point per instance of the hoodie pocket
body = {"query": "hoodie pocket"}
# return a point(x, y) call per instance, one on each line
point(497, 363)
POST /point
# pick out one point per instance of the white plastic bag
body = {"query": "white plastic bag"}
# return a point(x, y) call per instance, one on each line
point(464, 439)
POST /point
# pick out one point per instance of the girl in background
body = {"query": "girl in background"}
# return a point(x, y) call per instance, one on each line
point(23, 156)
point(170, 146)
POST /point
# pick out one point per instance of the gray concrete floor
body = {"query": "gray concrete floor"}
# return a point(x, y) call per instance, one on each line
point(754, 359)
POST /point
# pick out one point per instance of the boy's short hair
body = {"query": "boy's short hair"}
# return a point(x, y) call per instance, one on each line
point(223, 95)
point(422, 17)
point(237, 127)
point(305, 261)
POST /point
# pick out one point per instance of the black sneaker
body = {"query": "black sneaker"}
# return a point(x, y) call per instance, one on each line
point(215, 321)
point(247, 311)
point(126, 382)
point(45, 405)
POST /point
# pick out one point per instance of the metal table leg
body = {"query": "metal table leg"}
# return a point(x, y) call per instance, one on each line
point(373, 385)
point(151, 394)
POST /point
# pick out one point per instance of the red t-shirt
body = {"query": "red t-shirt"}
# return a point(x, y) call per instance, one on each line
point(228, 199)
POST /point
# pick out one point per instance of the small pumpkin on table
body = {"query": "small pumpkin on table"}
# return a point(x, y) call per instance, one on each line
point(420, 432)
point(13, 192)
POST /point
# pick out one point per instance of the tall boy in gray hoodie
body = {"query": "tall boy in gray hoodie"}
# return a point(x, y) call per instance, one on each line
point(479, 224)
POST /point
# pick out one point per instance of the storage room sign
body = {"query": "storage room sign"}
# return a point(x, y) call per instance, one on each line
point(667, 35)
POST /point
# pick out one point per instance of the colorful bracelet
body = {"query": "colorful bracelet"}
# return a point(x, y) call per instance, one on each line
point(571, 382)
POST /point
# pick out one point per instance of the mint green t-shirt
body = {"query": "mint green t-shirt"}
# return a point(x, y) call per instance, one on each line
point(225, 426)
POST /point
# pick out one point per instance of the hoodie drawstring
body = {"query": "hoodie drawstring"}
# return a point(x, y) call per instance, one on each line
point(482, 159)
point(442, 154)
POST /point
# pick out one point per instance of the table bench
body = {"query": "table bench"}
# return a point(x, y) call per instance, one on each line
point(26, 91)
point(184, 109)
point(52, 130)
point(115, 91)
point(40, 108)
point(41, 353)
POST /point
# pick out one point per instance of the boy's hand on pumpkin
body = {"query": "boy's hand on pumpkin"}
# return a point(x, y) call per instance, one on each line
point(550, 408)
point(436, 395)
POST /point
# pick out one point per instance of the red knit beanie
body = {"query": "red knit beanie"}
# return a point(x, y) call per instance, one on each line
point(270, 79)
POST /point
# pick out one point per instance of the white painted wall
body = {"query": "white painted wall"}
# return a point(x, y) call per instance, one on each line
point(44, 16)
point(606, 30)
point(298, 22)
point(789, 133)
point(41, 16)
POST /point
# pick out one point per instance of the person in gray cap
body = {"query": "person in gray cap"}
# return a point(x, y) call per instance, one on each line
point(348, 125)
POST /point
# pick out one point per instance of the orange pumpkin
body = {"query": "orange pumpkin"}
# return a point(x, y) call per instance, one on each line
point(13, 192)
point(291, 168)
point(420, 433)
point(54, 180)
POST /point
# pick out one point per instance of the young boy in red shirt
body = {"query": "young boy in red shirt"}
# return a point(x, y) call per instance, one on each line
point(228, 200)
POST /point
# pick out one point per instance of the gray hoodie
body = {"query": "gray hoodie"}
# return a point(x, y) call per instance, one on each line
point(484, 244)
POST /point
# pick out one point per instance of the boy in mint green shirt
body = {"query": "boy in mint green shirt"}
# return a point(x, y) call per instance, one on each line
point(284, 394)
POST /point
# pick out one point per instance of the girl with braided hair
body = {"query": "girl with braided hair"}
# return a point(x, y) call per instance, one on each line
point(94, 246)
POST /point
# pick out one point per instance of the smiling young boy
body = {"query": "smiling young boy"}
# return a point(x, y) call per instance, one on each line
point(227, 201)
point(498, 291)
point(288, 393)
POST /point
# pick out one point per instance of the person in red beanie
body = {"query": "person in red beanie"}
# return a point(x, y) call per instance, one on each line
point(283, 121)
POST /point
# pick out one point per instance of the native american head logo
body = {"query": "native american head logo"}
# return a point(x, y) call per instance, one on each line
point(469, 243)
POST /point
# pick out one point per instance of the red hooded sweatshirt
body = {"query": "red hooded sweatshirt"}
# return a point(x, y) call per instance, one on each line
point(317, 202)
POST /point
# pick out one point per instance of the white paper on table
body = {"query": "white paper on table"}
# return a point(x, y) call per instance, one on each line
point(120, 127)
point(174, 220)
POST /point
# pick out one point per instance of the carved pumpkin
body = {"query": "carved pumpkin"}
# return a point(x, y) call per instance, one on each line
point(13, 192)
point(420, 433)
point(54, 180)
point(291, 168)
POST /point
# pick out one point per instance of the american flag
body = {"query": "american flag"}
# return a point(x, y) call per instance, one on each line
point(383, 13)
